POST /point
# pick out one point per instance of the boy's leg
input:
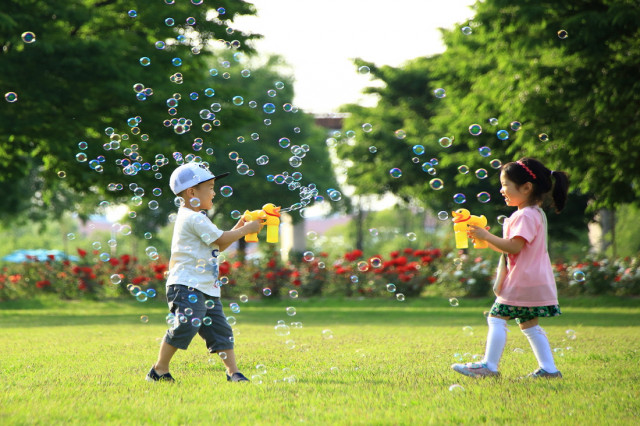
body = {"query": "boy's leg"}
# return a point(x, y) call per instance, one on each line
point(165, 354)
point(230, 361)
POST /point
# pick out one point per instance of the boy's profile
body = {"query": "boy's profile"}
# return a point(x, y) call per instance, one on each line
point(193, 291)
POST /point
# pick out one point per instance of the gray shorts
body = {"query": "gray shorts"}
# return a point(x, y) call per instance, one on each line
point(197, 313)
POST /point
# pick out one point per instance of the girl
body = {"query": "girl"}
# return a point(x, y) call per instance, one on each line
point(529, 288)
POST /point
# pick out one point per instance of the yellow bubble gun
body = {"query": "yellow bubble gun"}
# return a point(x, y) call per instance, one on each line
point(461, 219)
point(271, 216)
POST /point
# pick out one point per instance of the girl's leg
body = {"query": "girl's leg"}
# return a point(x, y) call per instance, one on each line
point(229, 361)
point(496, 340)
point(540, 345)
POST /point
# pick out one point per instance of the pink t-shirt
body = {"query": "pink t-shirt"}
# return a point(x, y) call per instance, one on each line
point(529, 280)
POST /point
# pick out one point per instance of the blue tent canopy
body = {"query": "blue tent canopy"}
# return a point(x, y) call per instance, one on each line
point(20, 256)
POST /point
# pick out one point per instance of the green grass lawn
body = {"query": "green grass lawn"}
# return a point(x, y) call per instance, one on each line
point(388, 362)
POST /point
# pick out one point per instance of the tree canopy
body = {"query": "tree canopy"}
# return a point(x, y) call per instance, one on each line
point(113, 94)
point(557, 81)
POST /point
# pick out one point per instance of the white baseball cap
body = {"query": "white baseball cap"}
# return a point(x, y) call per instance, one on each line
point(191, 174)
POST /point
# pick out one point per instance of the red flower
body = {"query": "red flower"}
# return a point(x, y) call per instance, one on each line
point(138, 280)
point(113, 261)
point(426, 259)
point(82, 285)
point(14, 278)
point(66, 263)
point(256, 275)
point(125, 258)
point(159, 268)
point(408, 250)
point(323, 254)
point(237, 264)
point(224, 268)
point(394, 254)
point(43, 283)
point(82, 253)
point(270, 275)
point(51, 257)
point(159, 276)
point(432, 279)
point(353, 255)
point(297, 282)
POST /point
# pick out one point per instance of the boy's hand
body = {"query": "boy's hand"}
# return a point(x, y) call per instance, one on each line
point(254, 227)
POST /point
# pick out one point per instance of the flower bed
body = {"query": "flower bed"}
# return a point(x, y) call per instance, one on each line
point(402, 273)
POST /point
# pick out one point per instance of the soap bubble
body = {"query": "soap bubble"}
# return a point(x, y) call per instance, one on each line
point(144, 319)
point(237, 100)
point(467, 330)
point(232, 320)
point(579, 276)
point(456, 388)
point(104, 257)
point(195, 202)
point(459, 198)
point(373, 231)
point(484, 197)
point(485, 151)
point(391, 288)
point(367, 127)
point(475, 129)
point(312, 235)
point(226, 191)
point(502, 135)
point(436, 184)
point(463, 169)
point(235, 308)
point(411, 236)
point(395, 172)
point(71, 236)
point(466, 30)
point(327, 334)
point(153, 205)
point(28, 37)
point(481, 173)
point(115, 279)
point(443, 215)
point(418, 149)
point(196, 322)
point(284, 142)
point(571, 334)
point(515, 126)
point(439, 93)
point(373, 149)
point(445, 142)
point(293, 294)
point(454, 302)
point(291, 311)
point(266, 291)
point(308, 256)
point(400, 134)
point(11, 97)
point(400, 297)
point(193, 298)
point(562, 34)
point(364, 70)
point(141, 296)
point(207, 321)
point(493, 121)
point(495, 164)
point(209, 304)
point(282, 330)
point(335, 195)
point(363, 266)
point(543, 137)
point(501, 219)
point(269, 108)
point(145, 61)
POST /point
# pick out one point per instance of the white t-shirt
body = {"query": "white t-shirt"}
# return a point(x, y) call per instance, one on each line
point(194, 257)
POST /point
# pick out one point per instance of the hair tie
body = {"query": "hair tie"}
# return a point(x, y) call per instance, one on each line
point(527, 169)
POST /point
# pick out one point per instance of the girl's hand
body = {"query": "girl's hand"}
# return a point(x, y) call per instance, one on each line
point(477, 232)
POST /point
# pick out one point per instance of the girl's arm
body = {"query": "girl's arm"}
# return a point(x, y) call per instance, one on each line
point(502, 245)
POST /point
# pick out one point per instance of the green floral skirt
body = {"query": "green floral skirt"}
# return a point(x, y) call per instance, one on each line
point(524, 313)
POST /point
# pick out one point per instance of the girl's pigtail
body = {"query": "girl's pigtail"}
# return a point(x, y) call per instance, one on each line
point(560, 190)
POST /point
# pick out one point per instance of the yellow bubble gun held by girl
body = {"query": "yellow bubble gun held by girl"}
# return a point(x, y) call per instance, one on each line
point(271, 216)
point(461, 219)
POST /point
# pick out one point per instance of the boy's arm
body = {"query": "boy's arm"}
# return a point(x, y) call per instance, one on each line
point(228, 237)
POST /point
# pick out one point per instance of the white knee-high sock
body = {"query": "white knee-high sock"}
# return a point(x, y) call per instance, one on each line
point(496, 339)
point(541, 348)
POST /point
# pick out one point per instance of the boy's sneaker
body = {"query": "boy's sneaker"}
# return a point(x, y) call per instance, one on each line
point(474, 369)
point(152, 376)
point(542, 374)
point(237, 377)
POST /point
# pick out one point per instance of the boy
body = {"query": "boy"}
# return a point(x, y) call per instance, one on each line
point(193, 291)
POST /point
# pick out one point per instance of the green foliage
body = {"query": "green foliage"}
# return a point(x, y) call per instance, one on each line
point(387, 363)
point(513, 67)
point(76, 81)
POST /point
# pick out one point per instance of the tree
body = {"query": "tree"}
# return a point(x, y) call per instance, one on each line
point(113, 83)
point(512, 67)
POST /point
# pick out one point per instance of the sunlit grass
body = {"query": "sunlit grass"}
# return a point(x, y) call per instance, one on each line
point(387, 363)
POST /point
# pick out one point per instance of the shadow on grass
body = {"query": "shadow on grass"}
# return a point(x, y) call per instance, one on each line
point(320, 312)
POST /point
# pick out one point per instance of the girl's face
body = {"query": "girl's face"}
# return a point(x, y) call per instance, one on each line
point(204, 194)
point(514, 196)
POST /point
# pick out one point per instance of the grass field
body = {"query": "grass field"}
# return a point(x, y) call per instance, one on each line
point(387, 363)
